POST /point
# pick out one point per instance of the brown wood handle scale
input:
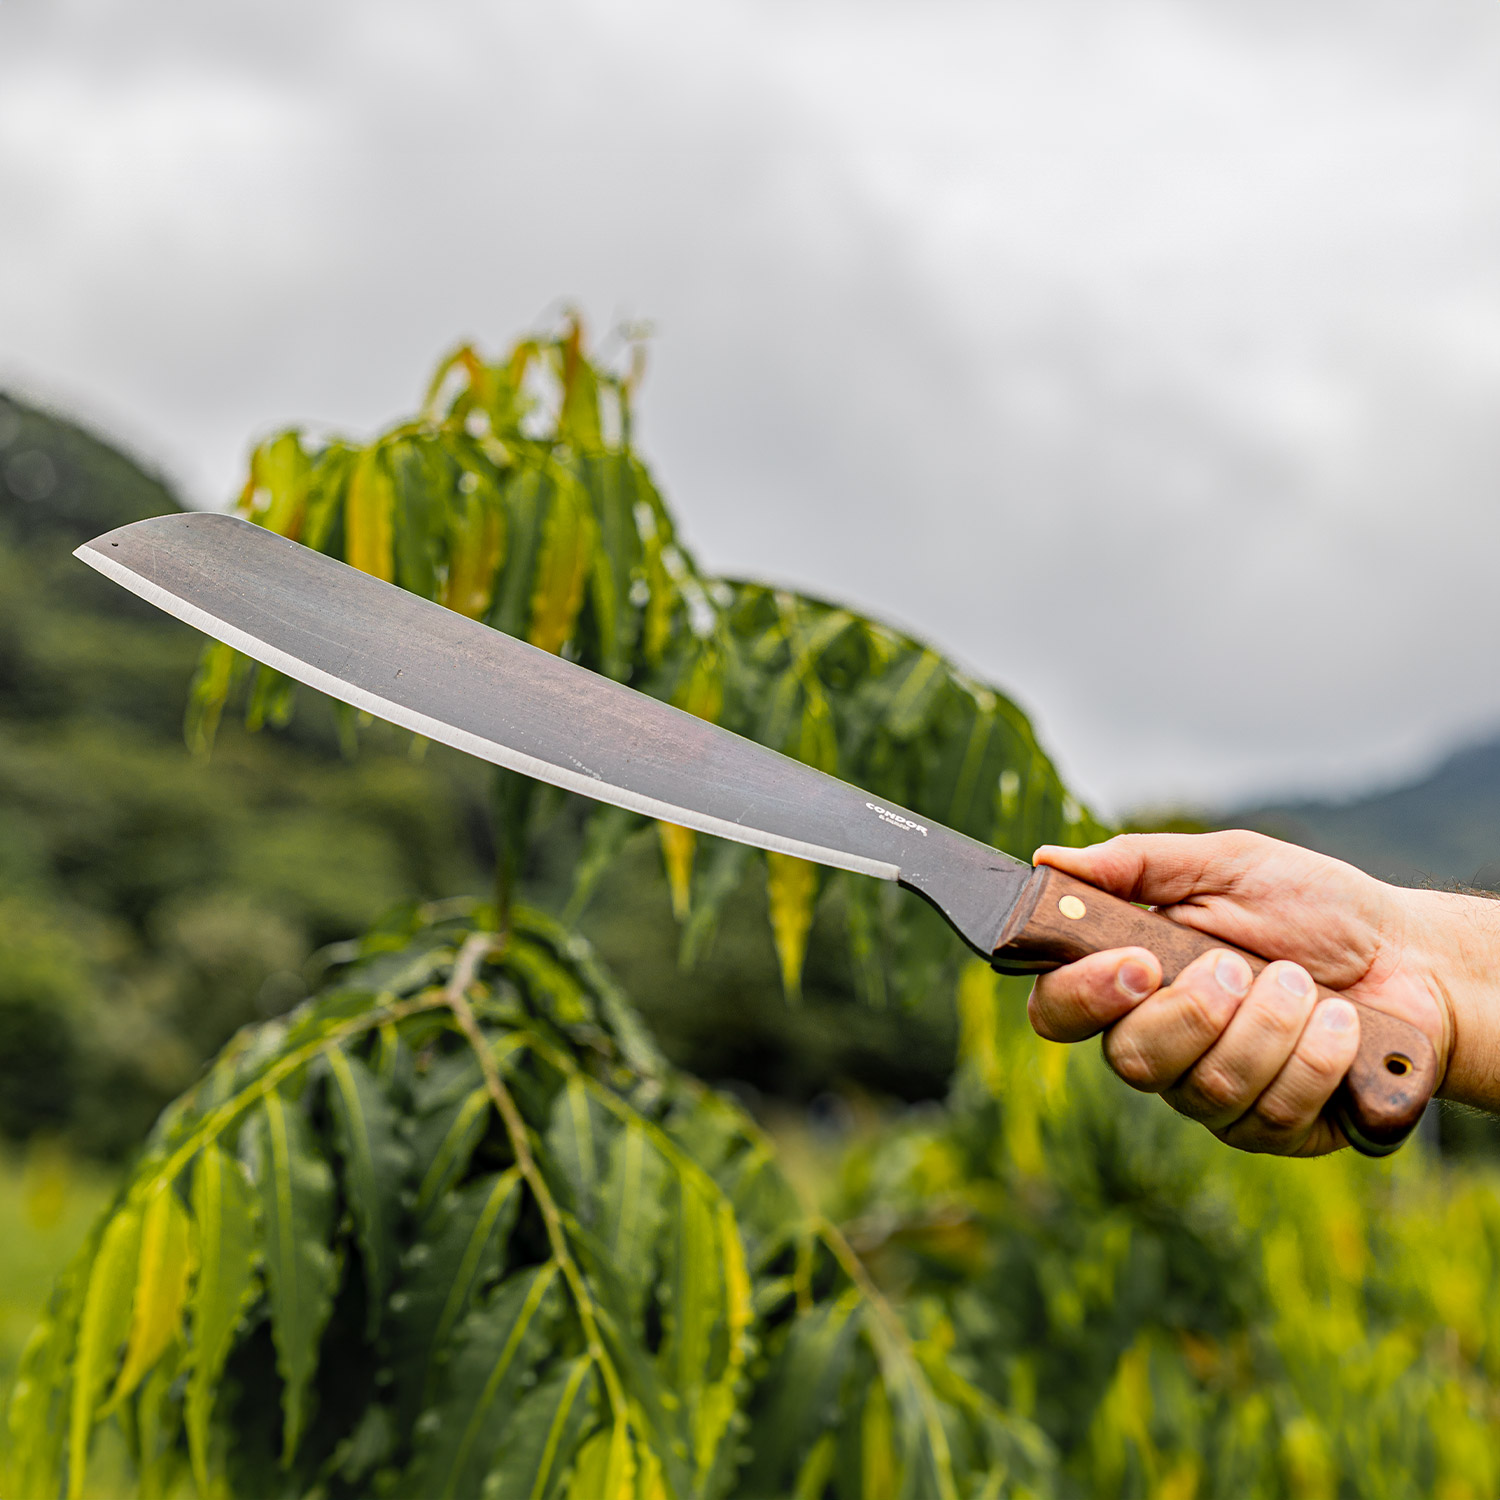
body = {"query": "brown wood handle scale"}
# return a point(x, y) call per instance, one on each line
point(1059, 919)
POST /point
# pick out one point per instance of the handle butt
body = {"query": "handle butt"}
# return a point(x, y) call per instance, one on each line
point(1059, 919)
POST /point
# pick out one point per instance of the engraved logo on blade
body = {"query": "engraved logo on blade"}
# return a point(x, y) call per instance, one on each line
point(895, 819)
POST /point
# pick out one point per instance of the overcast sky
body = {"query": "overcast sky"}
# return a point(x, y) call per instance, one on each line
point(1145, 354)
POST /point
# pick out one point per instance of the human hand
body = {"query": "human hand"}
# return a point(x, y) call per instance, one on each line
point(1256, 1061)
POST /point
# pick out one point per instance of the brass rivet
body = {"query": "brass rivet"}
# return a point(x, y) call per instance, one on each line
point(1072, 907)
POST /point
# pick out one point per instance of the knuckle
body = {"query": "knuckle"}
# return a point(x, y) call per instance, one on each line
point(1218, 1090)
point(1040, 1016)
point(1325, 1069)
point(1280, 1115)
point(1203, 1014)
point(1130, 1063)
point(1278, 1023)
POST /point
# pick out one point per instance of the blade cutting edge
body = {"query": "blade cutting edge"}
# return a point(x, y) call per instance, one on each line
point(439, 674)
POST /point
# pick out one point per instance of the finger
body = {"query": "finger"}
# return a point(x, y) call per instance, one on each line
point(1288, 1116)
point(1080, 1000)
point(1256, 1044)
point(1164, 868)
point(1158, 1041)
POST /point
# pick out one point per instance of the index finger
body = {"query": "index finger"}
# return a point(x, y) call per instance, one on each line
point(1161, 869)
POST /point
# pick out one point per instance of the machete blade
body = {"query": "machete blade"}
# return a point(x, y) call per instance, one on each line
point(452, 679)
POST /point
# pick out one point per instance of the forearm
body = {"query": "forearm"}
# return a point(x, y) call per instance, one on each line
point(1455, 940)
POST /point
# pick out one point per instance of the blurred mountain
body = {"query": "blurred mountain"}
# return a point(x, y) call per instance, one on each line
point(1442, 829)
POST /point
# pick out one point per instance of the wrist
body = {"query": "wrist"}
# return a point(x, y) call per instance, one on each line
point(1453, 943)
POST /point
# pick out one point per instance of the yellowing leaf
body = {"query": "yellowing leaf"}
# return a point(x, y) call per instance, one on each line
point(812, 1481)
point(677, 846)
point(161, 1287)
point(880, 1467)
point(578, 420)
point(369, 538)
point(279, 471)
point(651, 1484)
point(792, 889)
point(218, 667)
point(978, 1023)
point(105, 1322)
point(605, 1469)
point(697, 1293)
point(562, 569)
point(703, 693)
point(224, 1214)
point(476, 548)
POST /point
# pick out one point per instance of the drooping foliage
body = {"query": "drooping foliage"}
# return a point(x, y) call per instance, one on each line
point(516, 497)
point(453, 1229)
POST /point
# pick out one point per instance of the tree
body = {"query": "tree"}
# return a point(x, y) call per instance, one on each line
point(455, 1226)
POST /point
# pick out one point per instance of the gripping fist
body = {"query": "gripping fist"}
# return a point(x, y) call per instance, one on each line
point(1255, 1061)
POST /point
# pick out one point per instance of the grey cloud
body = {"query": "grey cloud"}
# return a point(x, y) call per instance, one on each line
point(1144, 354)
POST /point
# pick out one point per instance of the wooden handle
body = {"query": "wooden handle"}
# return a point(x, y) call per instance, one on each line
point(1059, 919)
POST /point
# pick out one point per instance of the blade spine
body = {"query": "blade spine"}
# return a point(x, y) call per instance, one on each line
point(460, 739)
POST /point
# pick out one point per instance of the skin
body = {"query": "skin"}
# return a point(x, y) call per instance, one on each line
point(1256, 1062)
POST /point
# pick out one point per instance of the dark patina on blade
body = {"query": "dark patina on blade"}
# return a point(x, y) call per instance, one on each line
point(442, 675)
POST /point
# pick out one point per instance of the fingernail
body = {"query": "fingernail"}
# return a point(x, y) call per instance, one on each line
point(1294, 980)
point(1134, 979)
point(1233, 974)
point(1337, 1016)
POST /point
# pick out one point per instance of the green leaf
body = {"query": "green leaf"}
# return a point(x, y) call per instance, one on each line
point(497, 1350)
point(633, 1211)
point(605, 1469)
point(541, 1439)
point(224, 1210)
point(611, 484)
point(158, 1424)
point(462, 1252)
point(605, 835)
point(445, 1140)
point(296, 1192)
point(725, 868)
point(881, 1472)
point(376, 1165)
point(696, 1295)
point(578, 1142)
point(102, 1331)
point(161, 1287)
point(802, 1393)
point(422, 479)
point(914, 695)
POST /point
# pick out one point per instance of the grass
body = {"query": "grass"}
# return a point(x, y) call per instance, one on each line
point(48, 1202)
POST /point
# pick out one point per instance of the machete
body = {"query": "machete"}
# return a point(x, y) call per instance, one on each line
point(452, 679)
